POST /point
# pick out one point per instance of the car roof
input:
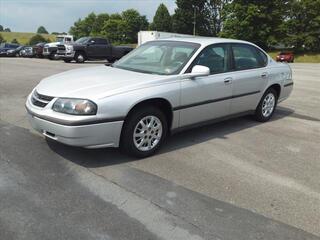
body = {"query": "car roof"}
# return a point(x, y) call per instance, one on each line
point(203, 40)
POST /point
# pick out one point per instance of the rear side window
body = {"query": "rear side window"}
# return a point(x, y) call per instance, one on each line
point(215, 57)
point(247, 57)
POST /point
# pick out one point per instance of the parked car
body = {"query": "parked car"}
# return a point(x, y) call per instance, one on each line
point(4, 47)
point(285, 57)
point(27, 51)
point(38, 50)
point(162, 87)
point(50, 49)
point(15, 52)
point(91, 48)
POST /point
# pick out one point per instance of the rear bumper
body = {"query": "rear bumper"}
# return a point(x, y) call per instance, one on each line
point(95, 135)
point(286, 91)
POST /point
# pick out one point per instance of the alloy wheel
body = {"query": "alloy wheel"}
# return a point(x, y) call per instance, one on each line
point(268, 105)
point(147, 133)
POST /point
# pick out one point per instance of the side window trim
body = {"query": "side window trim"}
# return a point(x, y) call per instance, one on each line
point(224, 45)
point(233, 69)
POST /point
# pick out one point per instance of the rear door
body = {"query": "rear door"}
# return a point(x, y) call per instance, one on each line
point(251, 77)
point(104, 49)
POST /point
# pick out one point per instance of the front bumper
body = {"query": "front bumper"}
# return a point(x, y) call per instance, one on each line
point(95, 135)
point(65, 55)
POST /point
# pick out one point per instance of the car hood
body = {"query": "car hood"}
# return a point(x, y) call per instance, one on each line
point(96, 82)
point(53, 44)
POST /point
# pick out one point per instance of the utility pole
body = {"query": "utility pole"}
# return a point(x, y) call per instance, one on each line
point(194, 21)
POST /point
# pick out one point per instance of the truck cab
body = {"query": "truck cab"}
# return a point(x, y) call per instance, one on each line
point(50, 49)
point(91, 48)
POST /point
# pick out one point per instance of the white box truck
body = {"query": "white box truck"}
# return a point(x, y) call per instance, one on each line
point(146, 36)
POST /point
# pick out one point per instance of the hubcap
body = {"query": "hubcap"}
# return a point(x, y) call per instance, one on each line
point(147, 133)
point(80, 58)
point(268, 105)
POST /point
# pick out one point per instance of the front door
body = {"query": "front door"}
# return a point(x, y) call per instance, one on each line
point(207, 98)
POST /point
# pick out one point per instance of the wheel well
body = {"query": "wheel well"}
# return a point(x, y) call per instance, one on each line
point(277, 88)
point(163, 104)
point(81, 51)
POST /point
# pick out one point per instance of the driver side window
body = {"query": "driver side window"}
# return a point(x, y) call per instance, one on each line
point(215, 58)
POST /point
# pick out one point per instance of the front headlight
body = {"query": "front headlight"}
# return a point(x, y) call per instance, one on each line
point(75, 106)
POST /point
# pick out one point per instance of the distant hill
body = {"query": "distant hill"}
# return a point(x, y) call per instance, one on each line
point(23, 37)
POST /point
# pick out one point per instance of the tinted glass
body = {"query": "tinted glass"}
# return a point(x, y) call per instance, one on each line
point(59, 39)
point(215, 58)
point(263, 58)
point(101, 41)
point(82, 40)
point(159, 57)
point(246, 57)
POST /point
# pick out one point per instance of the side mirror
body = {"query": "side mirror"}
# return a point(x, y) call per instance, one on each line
point(90, 42)
point(198, 71)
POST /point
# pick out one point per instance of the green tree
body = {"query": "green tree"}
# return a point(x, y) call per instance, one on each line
point(188, 12)
point(7, 30)
point(114, 30)
point(215, 12)
point(98, 24)
point(36, 39)
point(134, 22)
point(1, 28)
point(303, 25)
point(82, 28)
point(42, 30)
point(15, 41)
point(162, 19)
point(256, 21)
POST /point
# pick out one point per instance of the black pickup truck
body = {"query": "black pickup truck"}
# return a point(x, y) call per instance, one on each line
point(91, 48)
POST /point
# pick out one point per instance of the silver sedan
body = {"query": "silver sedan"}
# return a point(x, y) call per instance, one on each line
point(160, 88)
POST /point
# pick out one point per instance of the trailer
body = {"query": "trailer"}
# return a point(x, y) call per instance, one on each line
point(146, 36)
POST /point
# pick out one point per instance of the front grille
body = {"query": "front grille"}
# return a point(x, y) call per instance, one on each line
point(40, 100)
point(61, 47)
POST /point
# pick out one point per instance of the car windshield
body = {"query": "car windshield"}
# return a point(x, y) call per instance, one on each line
point(82, 40)
point(158, 57)
point(60, 39)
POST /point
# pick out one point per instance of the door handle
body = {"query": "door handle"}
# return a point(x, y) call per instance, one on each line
point(264, 75)
point(228, 81)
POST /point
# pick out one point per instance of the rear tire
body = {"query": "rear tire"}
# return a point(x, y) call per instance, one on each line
point(267, 106)
point(144, 132)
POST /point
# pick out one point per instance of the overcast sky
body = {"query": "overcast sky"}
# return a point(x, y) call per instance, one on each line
point(59, 15)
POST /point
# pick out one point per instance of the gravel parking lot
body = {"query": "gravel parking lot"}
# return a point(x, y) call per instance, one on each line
point(237, 179)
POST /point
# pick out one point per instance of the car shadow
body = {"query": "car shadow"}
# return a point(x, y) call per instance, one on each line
point(94, 158)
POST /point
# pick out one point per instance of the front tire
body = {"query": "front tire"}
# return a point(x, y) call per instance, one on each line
point(267, 106)
point(144, 132)
point(80, 57)
point(52, 56)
